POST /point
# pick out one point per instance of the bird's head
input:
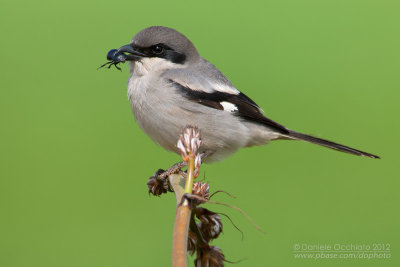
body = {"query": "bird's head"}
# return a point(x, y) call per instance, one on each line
point(156, 48)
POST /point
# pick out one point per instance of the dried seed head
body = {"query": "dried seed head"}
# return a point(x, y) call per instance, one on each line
point(157, 186)
point(189, 142)
point(210, 224)
point(192, 241)
point(197, 164)
point(211, 256)
point(182, 148)
point(202, 190)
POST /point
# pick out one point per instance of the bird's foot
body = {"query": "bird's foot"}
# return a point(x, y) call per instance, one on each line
point(176, 168)
point(158, 183)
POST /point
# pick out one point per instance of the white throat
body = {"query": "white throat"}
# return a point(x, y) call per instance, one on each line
point(152, 65)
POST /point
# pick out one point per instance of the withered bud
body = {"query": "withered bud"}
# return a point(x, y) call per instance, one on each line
point(197, 164)
point(210, 256)
point(202, 190)
point(210, 224)
point(192, 241)
point(157, 186)
point(189, 142)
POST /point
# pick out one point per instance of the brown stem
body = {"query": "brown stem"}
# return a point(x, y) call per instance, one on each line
point(182, 219)
point(188, 143)
point(180, 237)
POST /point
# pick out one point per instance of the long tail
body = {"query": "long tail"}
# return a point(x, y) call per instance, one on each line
point(328, 144)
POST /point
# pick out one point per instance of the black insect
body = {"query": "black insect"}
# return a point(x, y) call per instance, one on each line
point(114, 58)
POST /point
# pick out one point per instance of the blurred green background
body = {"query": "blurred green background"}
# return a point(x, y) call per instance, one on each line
point(74, 163)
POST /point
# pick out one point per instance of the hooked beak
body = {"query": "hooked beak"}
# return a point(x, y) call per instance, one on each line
point(134, 54)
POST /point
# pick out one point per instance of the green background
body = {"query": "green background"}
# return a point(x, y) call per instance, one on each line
point(74, 163)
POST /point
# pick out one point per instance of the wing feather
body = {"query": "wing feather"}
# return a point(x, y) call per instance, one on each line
point(247, 109)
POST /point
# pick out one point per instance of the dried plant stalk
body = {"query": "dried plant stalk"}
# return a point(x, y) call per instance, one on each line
point(182, 220)
point(180, 237)
point(188, 143)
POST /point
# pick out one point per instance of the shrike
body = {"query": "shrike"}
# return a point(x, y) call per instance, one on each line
point(172, 86)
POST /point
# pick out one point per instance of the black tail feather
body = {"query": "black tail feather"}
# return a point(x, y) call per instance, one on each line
point(329, 144)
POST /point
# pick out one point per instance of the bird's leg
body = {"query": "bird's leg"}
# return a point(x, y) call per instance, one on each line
point(171, 170)
point(158, 183)
point(176, 168)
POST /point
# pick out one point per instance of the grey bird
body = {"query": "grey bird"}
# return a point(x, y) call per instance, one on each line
point(172, 86)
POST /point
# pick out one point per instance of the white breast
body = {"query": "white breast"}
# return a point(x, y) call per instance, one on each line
point(151, 107)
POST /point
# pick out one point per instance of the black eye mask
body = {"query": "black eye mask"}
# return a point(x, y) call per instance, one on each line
point(117, 56)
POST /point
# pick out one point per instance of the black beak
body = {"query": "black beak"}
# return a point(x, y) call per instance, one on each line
point(135, 54)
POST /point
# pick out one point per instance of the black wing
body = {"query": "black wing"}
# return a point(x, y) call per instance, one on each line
point(246, 108)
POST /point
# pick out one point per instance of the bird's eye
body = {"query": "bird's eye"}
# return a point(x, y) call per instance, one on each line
point(158, 49)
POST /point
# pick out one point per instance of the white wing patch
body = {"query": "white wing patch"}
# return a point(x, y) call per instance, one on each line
point(203, 85)
point(228, 106)
point(225, 89)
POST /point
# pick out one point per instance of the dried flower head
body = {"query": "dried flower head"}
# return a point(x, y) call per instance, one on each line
point(210, 256)
point(202, 190)
point(157, 186)
point(197, 164)
point(192, 241)
point(210, 224)
point(189, 142)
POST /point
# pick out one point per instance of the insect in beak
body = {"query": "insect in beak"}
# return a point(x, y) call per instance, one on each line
point(115, 57)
